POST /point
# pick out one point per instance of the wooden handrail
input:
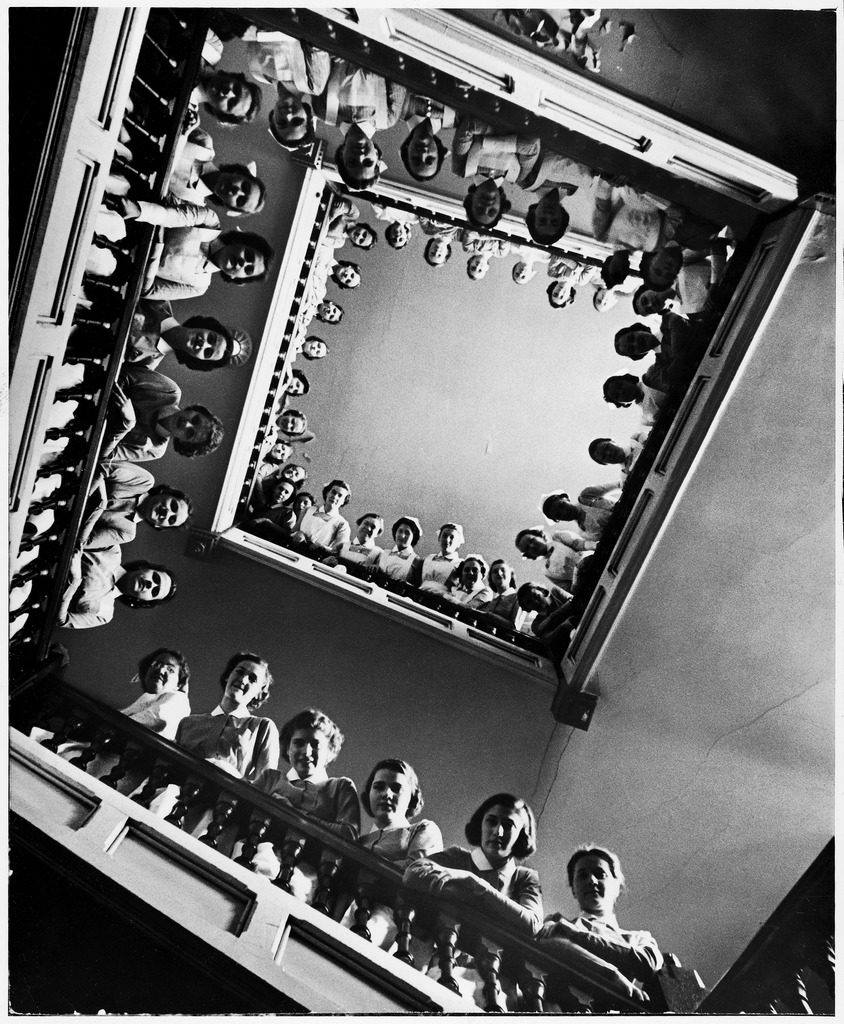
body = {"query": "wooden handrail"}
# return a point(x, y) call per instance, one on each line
point(48, 700)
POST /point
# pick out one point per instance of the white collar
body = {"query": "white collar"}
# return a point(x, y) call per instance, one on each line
point(240, 711)
point(482, 864)
point(319, 775)
point(389, 828)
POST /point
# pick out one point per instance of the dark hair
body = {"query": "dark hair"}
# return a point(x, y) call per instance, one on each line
point(295, 465)
point(303, 380)
point(458, 571)
point(556, 496)
point(337, 304)
point(588, 850)
point(314, 337)
point(148, 659)
point(312, 718)
point(503, 208)
point(243, 170)
point(338, 266)
point(626, 330)
point(258, 243)
point(203, 365)
point(533, 532)
point(569, 299)
point(524, 592)
point(140, 564)
point(393, 764)
point(618, 376)
point(178, 495)
point(264, 695)
point(254, 94)
point(371, 515)
point(448, 252)
point(414, 529)
point(349, 179)
point(193, 450)
point(373, 236)
point(638, 294)
point(390, 232)
point(442, 152)
point(293, 412)
point(551, 237)
point(593, 448)
point(610, 275)
point(646, 259)
point(303, 494)
point(525, 845)
point(307, 138)
point(503, 561)
point(338, 483)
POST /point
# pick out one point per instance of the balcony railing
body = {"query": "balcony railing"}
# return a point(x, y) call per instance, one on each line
point(68, 408)
point(127, 755)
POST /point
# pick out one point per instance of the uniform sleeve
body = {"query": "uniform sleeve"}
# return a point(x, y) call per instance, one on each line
point(425, 839)
point(427, 875)
point(346, 821)
point(343, 535)
point(137, 451)
point(111, 529)
point(604, 212)
point(161, 288)
point(178, 214)
point(596, 497)
point(635, 954)
point(524, 913)
point(267, 749)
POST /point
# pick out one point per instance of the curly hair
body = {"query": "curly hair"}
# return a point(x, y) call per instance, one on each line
point(312, 718)
point(587, 850)
point(140, 564)
point(192, 449)
point(174, 492)
point(243, 170)
point(442, 152)
point(258, 243)
point(210, 323)
point(235, 660)
point(147, 660)
point(254, 96)
point(503, 208)
point(394, 764)
point(525, 845)
point(647, 258)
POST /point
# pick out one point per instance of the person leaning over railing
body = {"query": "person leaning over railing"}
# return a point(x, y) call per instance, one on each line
point(310, 742)
point(596, 879)
point(144, 415)
point(490, 877)
point(392, 797)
